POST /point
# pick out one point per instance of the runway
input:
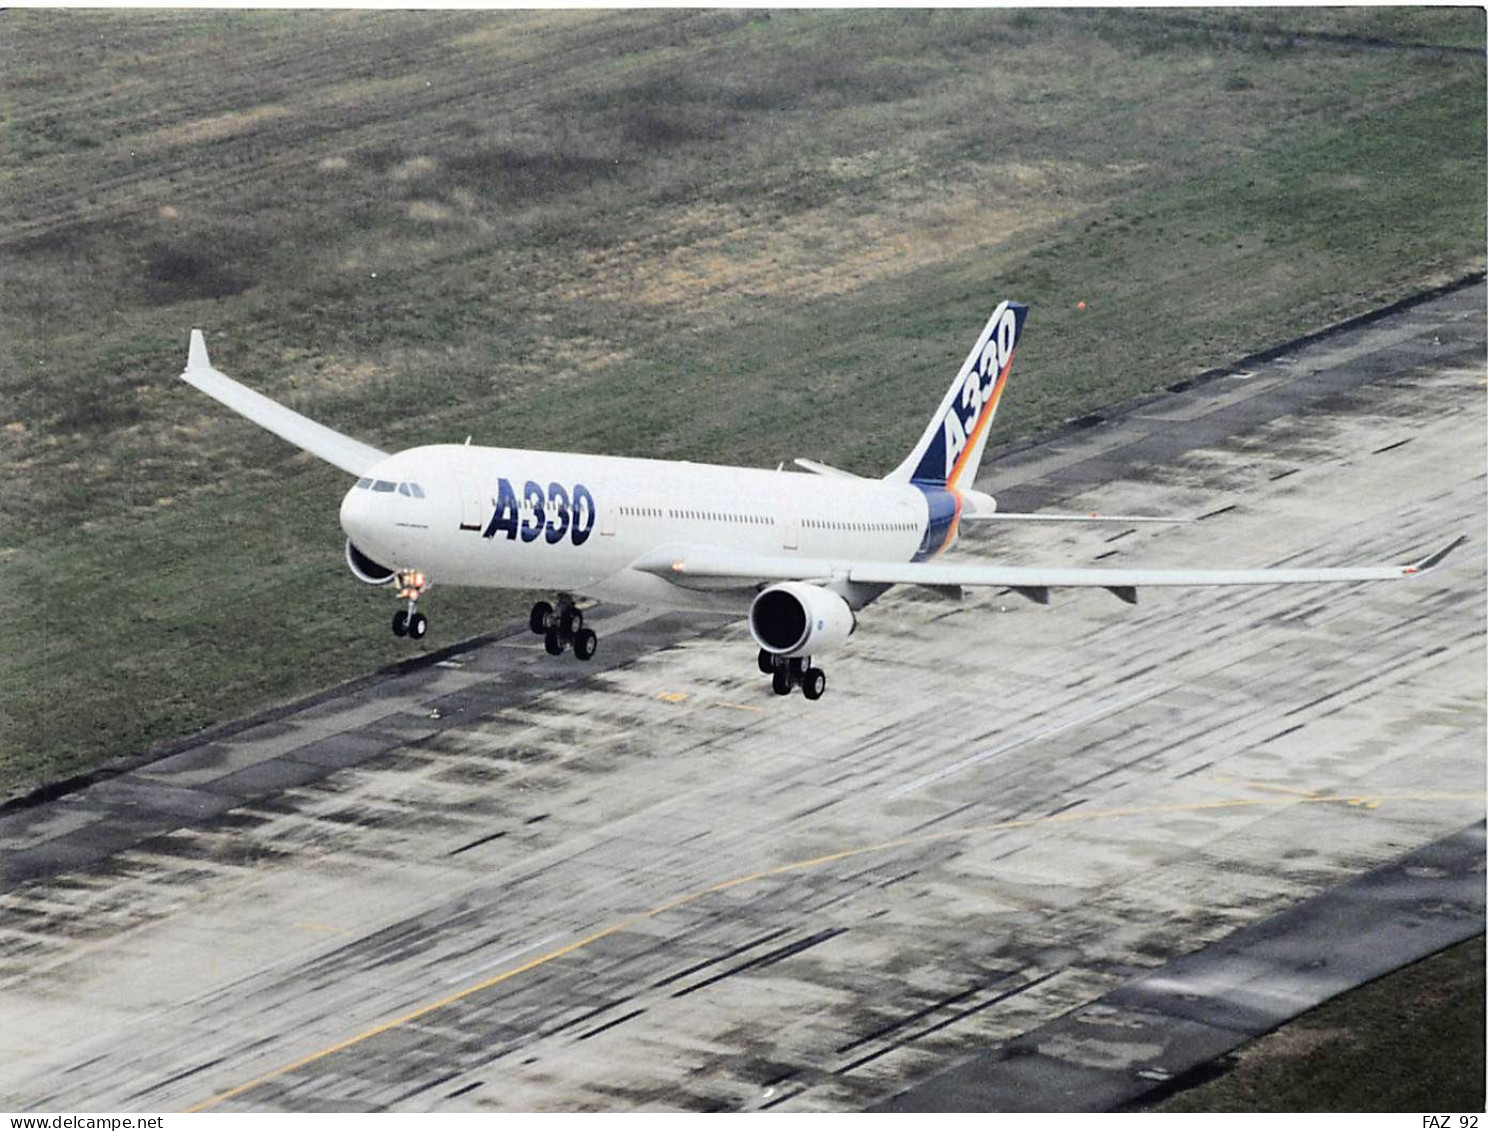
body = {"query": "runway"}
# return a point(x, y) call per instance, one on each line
point(504, 881)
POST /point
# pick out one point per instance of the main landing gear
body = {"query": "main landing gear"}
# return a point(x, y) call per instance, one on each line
point(410, 622)
point(795, 671)
point(562, 627)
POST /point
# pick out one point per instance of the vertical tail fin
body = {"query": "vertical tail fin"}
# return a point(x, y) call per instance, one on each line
point(951, 449)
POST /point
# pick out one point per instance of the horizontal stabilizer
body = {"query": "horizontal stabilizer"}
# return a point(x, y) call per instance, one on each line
point(827, 469)
point(978, 506)
point(349, 455)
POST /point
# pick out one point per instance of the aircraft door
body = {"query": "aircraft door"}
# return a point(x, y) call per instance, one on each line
point(470, 503)
point(791, 534)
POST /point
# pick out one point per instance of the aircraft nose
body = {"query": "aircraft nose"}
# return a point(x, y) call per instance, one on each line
point(354, 512)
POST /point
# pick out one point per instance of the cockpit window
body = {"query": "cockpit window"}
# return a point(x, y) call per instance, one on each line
point(408, 490)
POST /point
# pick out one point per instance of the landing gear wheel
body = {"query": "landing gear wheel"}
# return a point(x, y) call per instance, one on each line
point(584, 643)
point(781, 682)
point(400, 623)
point(538, 621)
point(418, 625)
point(571, 622)
point(813, 683)
point(766, 662)
point(553, 643)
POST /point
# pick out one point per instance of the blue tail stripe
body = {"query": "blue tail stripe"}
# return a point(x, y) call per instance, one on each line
point(974, 395)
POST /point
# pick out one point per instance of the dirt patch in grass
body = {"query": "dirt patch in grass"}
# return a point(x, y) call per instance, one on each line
point(736, 251)
point(210, 129)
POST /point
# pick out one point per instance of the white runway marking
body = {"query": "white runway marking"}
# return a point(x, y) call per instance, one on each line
point(466, 975)
point(1103, 709)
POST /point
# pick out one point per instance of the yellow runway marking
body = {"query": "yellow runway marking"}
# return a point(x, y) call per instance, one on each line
point(739, 707)
point(1068, 818)
point(672, 696)
point(1267, 786)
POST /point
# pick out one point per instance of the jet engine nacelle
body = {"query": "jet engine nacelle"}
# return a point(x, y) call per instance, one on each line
point(796, 619)
point(364, 568)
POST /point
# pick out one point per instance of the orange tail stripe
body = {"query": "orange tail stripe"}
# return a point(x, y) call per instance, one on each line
point(988, 410)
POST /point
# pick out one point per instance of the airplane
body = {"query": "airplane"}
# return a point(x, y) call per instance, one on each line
point(799, 555)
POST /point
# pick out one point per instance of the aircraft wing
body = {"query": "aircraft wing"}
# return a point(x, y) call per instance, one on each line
point(704, 567)
point(1048, 516)
point(349, 455)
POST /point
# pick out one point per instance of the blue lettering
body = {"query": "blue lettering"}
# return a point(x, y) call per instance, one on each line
point(558, 510)
point(506, 516)
point(555, 515)
point(532, 525)
point(583, 518)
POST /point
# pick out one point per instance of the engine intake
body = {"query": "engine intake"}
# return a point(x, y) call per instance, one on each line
point(796, 619)
point(364, 568)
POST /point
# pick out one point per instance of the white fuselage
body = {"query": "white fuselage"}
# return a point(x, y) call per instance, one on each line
point(561, 522)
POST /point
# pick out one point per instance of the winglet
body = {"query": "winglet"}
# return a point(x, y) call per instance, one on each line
point(196, 357)
point(349, 455)
point(1436, 559)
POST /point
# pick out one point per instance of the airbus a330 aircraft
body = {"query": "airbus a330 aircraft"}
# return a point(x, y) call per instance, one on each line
point(800, 555)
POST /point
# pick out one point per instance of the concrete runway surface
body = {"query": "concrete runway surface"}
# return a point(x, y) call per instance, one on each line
point(503, 881)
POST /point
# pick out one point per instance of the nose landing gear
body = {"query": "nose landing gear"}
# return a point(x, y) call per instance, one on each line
point(562, 627)
point(412, 585)
point(795, 671)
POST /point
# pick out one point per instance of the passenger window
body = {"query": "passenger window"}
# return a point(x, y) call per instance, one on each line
point(384, 486)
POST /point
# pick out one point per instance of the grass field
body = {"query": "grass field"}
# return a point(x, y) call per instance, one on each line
point(721, 235)
point(1412, 1041)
